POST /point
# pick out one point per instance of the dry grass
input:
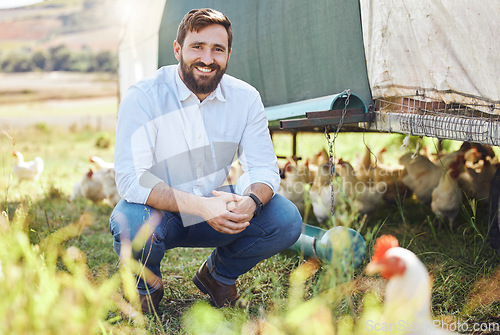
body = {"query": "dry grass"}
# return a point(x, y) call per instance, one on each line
point(41, 86)
point(64, 99)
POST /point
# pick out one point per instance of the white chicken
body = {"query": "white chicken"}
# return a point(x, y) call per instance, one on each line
point(100, 163)
point(366, 197)
point(293, 186)
point(97, 186)
point(321, 194)
point(447, 196)
point(364, 166)
point(109, 186)
point(422, 175)
point(407, 300)
point(385, 176)
point(30, 170)
point(320, 158)
point(90, 187)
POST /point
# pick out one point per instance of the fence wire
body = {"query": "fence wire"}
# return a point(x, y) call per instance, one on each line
point(410, 115)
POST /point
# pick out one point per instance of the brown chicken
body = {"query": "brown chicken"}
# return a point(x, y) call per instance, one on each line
point(480, 180)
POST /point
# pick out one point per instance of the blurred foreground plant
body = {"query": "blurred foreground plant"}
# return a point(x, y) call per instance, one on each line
point(316, 304)
point(47, 289)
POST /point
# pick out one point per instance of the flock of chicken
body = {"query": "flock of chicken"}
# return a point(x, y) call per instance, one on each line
point(441, 180)
point(98, 184)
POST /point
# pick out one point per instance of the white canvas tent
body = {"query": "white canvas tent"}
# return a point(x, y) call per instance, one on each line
point(447, 49)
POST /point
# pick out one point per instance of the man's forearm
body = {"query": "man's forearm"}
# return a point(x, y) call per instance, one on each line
point(167, 198)
point(261, 190)
point(214, 210)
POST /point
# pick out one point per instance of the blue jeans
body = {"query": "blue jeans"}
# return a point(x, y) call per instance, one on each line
point(276, 228)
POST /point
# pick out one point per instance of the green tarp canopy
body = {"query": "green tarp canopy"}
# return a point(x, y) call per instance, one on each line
point(298, 54)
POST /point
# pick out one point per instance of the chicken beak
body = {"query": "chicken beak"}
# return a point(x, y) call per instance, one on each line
point(373, 268)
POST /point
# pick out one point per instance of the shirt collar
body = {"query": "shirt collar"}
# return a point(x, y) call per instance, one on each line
point(184, 92)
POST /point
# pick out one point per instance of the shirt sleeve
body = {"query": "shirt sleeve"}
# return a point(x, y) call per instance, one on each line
point(135, 138)
point(256, 151)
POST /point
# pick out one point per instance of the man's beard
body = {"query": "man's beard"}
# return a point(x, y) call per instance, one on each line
point(202, 85)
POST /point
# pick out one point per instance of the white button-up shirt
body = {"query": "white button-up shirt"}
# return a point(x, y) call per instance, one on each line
point(165, 134)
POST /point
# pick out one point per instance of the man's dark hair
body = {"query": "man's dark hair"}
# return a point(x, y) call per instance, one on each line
point(197, 19)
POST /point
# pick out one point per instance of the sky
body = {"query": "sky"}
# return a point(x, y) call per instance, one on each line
point(16, 3)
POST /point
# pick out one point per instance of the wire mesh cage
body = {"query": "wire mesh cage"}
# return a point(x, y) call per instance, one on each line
point(424, 117)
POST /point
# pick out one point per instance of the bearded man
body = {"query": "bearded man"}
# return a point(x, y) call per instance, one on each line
point(177, 135)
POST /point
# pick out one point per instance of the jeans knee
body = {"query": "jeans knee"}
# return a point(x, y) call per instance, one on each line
point(295, 227)
point(286, 218)
point(290, 225)
point(140, 226)
point(151, 252)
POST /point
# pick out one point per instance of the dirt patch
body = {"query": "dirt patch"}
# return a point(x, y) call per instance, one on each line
point(90, 113)
point(103, 39)
point(38, 86)
point(28, 30)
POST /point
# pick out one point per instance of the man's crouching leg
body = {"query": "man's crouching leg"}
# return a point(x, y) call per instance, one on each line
point(138, 232)
point(276, 228)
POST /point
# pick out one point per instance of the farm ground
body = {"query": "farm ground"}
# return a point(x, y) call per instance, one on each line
point(58, 98)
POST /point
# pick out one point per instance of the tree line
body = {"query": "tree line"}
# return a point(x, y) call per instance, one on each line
point(59, 58)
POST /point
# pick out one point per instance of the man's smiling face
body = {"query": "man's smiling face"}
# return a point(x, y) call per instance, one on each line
point(203, 59)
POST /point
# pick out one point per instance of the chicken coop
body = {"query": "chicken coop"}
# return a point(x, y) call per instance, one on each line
point(421, 68)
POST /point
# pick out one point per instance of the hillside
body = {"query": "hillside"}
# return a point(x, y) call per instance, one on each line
point(62, 97)
point(90, 24)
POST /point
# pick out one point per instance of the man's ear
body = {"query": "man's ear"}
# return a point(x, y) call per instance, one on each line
point(177, 50)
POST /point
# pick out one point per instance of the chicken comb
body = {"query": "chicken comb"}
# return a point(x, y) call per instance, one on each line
point(382, 244)
point(287, 164)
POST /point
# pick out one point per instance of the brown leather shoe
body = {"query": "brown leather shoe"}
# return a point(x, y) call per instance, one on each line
point(150, 302)
point(221, 294)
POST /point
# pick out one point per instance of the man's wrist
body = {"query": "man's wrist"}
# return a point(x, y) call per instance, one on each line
point(258, 203)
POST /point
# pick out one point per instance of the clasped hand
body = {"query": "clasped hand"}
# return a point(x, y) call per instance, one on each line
point(229, 213)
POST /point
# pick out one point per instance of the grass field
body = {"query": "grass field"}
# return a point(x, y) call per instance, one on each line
point(75, 273)
point(62, 99)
